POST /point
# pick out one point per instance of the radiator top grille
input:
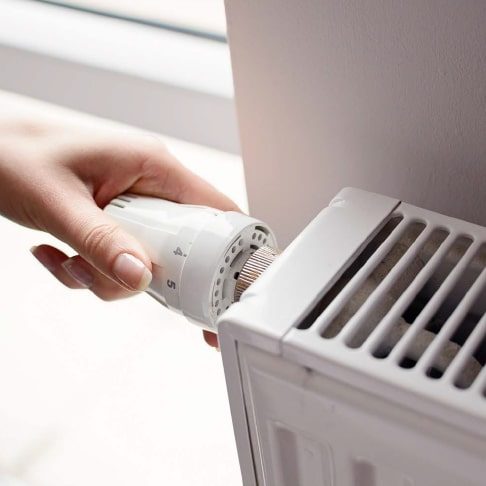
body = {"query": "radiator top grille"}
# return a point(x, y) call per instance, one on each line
point(414, 299)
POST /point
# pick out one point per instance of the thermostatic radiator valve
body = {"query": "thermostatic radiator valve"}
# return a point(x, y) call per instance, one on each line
point(203, 259)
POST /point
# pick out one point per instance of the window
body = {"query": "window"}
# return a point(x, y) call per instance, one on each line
point(133, 69)
point(205, 16)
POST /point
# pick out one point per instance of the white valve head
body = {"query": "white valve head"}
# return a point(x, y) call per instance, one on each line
point(197, 252)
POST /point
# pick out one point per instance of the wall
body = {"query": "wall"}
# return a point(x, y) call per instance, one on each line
point(389, 96)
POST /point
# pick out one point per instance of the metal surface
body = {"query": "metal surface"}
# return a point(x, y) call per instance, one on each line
point(258, 262)
point(402, 372)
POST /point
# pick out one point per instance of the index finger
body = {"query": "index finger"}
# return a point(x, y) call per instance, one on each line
point(164, 176)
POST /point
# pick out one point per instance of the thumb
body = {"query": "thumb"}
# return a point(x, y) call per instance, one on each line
point(101, 242)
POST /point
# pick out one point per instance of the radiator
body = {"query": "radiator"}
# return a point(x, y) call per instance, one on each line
point(357, 357)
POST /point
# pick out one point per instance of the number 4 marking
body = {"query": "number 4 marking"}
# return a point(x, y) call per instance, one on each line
point(179, 252)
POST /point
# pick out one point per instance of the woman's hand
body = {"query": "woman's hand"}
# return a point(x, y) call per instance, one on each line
point(57, 179)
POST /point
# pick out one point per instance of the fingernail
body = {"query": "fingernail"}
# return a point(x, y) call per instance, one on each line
point(78, 271)
point(43, 258)
point(132, 272)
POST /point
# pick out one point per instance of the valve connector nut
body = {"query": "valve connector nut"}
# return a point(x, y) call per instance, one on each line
point(256, 264)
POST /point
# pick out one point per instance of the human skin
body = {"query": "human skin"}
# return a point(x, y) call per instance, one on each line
point(57, 177)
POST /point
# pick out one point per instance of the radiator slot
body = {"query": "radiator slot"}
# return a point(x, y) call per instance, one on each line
point(385, 301)
point(422, 341)
point(465, 327)
point(423, 296)
point(465, 379)
point(351, 271)
point(365, 291)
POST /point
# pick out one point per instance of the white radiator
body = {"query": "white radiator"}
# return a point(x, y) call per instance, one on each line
point(357, 358)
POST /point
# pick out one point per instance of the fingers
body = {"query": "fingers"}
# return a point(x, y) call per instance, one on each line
point(101, 242)
point(164, 176)
point(87, 179)
point(76, 273)
point(145, 166)
point(102, 286)
point(52, 259)
point(211, 338)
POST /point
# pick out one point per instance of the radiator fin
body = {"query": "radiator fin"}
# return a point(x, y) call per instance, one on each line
point(413, 298)
point(351, 271)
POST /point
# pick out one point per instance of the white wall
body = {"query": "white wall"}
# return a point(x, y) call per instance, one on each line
point(388, 96)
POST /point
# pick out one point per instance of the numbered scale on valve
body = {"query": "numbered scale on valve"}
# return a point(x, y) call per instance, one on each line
point(196, 252)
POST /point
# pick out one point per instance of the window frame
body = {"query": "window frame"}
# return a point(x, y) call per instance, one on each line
point(178, 27)
point(90, 63)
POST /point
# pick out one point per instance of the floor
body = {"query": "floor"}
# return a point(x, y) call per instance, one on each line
point(96, 393)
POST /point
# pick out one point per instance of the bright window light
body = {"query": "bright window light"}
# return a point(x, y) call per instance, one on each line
point(200, 15)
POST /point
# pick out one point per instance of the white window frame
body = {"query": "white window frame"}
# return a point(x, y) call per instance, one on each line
point(152, 78)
